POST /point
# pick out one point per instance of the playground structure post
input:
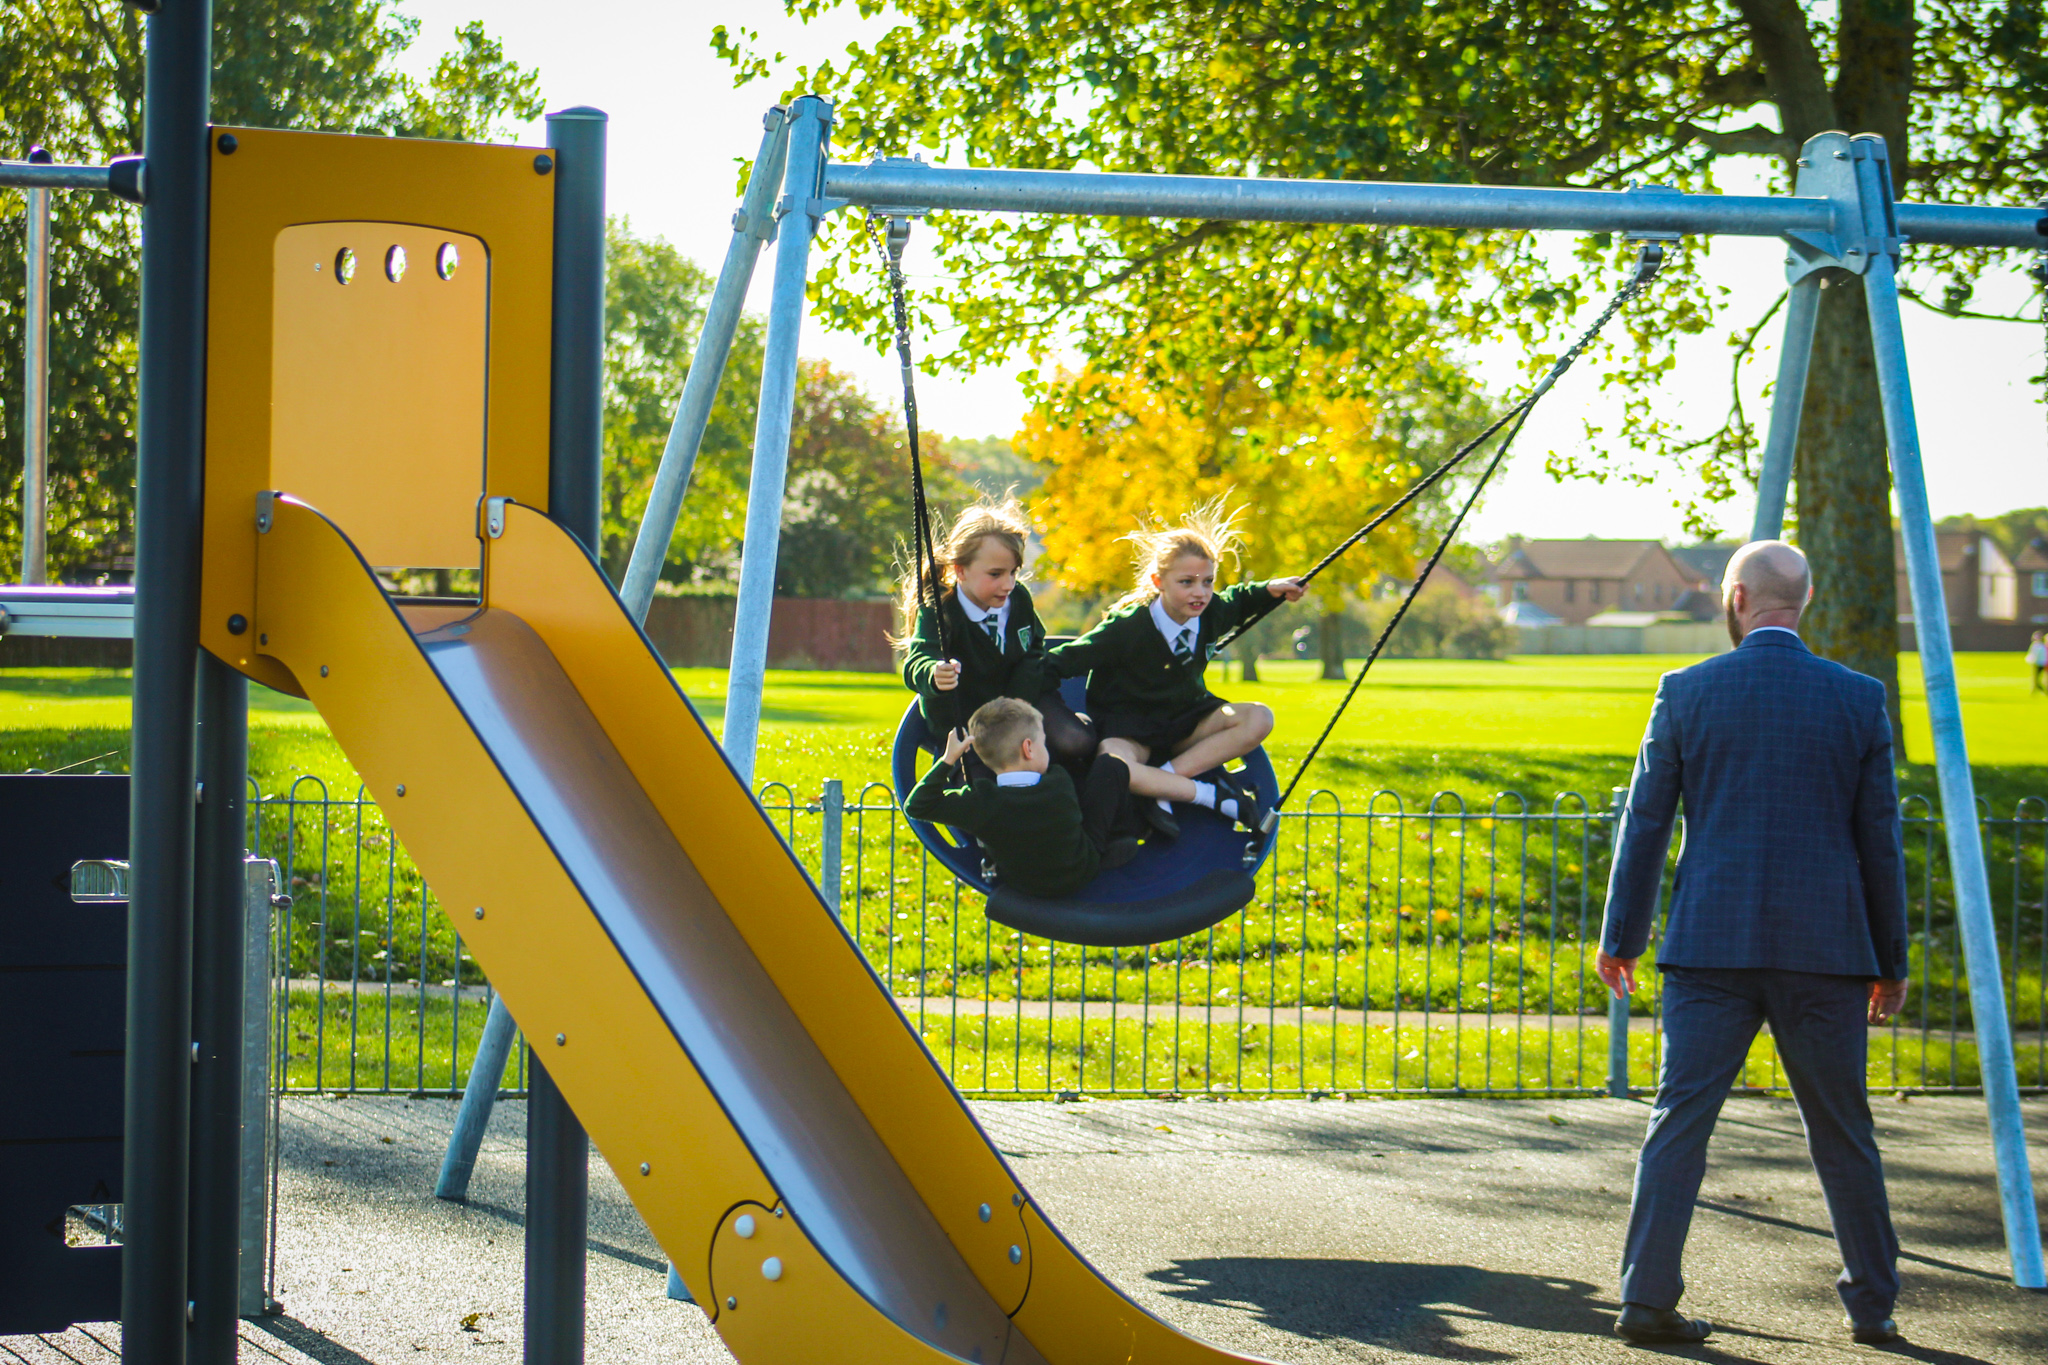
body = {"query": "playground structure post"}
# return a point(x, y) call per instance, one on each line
point(1979, 932)
point(797, 218)
point(1788, 401)
point(169, 446)
point(219, 898)
point(832, 842)
point(753, 226)
point(1617, 1006)
point(557, 1148)
point(479, 1094)
point(262, 895)
point(35, 387)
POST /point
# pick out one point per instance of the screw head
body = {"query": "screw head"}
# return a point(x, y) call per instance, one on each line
point(646, 1169)
point(561, 1039)
point(1841, 156)
point(401, 789)
point(771, 1269)
point(744, 1225)
point(323, 670)
point(263, 639)
point(731, 1302)
point(1016, 1255)
point(237, 624)
point(227, 144)
point(985, 1213)
point(543, 163)
point(478, 912)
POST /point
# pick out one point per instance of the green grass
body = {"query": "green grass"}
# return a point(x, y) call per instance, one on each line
point(346, 1045)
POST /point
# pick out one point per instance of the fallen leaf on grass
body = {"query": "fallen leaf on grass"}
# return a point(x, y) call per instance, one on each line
point(470, 1321)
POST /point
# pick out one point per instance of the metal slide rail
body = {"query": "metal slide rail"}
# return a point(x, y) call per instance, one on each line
point(1396, 948)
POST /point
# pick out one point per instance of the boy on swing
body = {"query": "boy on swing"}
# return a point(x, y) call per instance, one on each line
point(1045, 838)
point(1146, 664)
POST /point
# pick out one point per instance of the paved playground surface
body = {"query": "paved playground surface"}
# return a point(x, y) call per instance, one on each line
point(1465, 1230)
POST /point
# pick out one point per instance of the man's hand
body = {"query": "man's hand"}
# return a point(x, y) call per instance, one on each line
point(946, 676)
point(1618, 972)
point(957, 744)
point(1887, 998)
point(1289, 588)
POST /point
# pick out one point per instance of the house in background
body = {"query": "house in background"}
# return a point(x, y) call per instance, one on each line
point(2032, 571)
point(1573, 581)
point(1982, 589)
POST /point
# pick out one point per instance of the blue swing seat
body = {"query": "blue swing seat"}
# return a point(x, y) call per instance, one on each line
point(1169, 891)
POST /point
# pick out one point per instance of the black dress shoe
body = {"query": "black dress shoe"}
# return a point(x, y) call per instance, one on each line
point(1159, 818)
point(1872, 1333)
point(1250, 809)
point(1643, 1324)
point(1117, 852)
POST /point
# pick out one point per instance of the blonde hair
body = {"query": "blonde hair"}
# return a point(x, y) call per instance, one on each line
point(1209, 530)
point(999, 729)
point(1002, 520)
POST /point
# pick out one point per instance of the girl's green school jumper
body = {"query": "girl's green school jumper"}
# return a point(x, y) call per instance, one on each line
point(1019, 670)
point(1137, 689)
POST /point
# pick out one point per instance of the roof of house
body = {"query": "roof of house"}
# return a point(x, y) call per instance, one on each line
point(1953, 547)
point(1706, 561)
point(1587, 558)
point(2034, 557)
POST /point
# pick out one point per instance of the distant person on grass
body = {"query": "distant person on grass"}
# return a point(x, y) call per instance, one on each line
point(1044, 838)
point(1788, 909)
point(2037, 657)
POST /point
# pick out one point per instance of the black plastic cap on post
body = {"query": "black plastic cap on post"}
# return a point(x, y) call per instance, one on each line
point(576, 411)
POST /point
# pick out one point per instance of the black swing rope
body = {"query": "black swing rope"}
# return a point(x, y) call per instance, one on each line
point(1649, 260)
point(923, 554)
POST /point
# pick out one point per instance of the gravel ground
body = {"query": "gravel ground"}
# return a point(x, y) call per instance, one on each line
point(1465, 1230)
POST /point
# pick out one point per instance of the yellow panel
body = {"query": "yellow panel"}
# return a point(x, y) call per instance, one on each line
point(806, 1314)
point(322, 616)
point(273, 181)
point(377, 385)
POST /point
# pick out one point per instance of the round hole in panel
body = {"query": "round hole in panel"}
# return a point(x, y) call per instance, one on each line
point(446, 259)
point(394, 264)
point(344, 265)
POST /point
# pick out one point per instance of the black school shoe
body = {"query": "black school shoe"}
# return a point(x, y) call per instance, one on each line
point(1645, 1325)
point(1117, 852)
point(1158, 817)
point(1872, 1333)
point(1250, 809)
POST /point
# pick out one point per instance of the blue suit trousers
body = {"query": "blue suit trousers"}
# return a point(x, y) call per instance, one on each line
point(1711, 1015)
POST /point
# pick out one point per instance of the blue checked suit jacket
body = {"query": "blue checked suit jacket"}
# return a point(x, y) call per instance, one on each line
point(1792, 856)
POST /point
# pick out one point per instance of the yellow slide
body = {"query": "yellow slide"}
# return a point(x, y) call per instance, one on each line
point(794, 1148)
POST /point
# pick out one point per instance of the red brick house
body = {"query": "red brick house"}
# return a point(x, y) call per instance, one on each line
point(1983, 591)
point(1574, 580)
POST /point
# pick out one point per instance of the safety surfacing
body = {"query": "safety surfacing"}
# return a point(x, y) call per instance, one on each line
point(1382, 1231)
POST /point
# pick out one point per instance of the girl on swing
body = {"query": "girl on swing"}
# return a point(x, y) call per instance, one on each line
point(994, 637)
point(1146, 663)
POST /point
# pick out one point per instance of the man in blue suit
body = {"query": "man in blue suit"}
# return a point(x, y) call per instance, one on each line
point(1789, 908)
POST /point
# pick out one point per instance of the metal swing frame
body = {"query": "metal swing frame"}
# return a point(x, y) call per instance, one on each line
point(1842, 223)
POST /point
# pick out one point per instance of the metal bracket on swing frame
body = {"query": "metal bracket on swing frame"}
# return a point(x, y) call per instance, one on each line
point(1650, 244)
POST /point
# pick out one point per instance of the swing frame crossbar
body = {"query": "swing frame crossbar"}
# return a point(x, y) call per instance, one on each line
point(1842, 223)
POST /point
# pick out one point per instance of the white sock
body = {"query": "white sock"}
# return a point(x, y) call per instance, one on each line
point(1205, 794)
point(1165, 804)
point(1167, 766)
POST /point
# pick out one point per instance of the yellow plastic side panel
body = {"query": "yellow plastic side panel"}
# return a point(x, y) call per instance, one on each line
point(377, 385)
point(805, 1314)
point(321, 615)
point(272, 181)
point(541, 575)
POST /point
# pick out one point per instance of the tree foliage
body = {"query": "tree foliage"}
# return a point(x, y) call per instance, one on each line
point(71, 81)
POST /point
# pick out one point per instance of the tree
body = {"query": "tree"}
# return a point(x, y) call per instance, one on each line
point(847, 512)
point(1547, 92)
point(654, 309)
point(1306, 472)
point(71, 81)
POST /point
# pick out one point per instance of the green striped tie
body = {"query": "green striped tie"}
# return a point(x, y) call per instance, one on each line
point(1184, 647)
point(995, 631)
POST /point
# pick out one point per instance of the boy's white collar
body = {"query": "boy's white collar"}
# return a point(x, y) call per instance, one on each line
point(1018, 777)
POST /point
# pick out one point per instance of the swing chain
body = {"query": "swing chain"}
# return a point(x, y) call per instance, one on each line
point(1649, 261)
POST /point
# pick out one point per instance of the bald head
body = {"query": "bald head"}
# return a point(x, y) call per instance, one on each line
point(1768, 583)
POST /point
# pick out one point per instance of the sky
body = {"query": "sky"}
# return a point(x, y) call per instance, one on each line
point(678, 127)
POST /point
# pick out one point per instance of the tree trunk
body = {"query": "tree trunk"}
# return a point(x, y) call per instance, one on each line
point(1332, 640)
point(1844, 499)
point(1248, 664)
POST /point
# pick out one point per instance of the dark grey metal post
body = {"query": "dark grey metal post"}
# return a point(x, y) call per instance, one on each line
point(557, 1148)
point(219, 914)
point(557, 1222)
point(35, 386)
point(1788, 399)
point(169, 447)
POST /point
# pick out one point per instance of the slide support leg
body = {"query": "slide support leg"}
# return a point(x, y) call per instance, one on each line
point(753, 226)
point(810, 122)
point(557, 1222)
point(1788, 400)
point(157, 1080)
point(1958, 791)
point(217, 979)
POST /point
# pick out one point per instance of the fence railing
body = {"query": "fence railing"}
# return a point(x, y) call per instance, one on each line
point(1393, 948)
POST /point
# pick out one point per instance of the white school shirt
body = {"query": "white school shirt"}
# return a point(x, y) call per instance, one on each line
point(1758, 630)
point(979, 614)
point(1174, 630)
